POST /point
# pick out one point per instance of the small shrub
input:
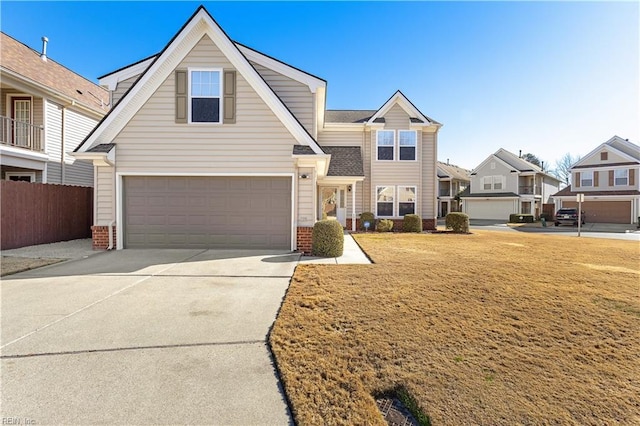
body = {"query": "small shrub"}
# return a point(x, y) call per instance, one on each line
point(384, 225)
point(412, 223)
point(327, 239)
point(458, 222)
point(546, 216)
point(521, 218)
point(367, 217)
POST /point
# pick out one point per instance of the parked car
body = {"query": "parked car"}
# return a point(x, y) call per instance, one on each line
point(568, 217)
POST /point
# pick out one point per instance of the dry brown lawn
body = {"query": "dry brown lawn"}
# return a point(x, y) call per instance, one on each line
point(491, 328)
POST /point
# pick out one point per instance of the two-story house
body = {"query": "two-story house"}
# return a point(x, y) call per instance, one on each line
point(214, 144)
point(452, 180)
point(608, 178)
point(504, 184)
point(46, 110)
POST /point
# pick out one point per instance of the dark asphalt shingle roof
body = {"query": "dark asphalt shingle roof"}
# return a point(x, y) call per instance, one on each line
point(348, 116)
point(467, 194)
point(345, 161)
point(567, 192)
point(302, 150)
point(103, 147)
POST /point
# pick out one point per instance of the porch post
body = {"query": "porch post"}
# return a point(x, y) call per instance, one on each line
point(353, 207)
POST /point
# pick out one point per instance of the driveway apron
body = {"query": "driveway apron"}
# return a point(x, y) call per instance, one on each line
point(145, 337)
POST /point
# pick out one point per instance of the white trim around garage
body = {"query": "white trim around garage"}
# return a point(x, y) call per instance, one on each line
point(119, 201)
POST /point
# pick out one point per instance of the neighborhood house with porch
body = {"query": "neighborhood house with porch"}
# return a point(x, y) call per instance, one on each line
point(213, 144)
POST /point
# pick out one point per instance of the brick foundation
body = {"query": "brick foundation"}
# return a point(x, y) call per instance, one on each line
point(427, 225)
point(100, 237)
point(303, 239)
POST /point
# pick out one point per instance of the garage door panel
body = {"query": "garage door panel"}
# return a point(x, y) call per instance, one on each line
point(215, 212)
point(604, 211)
point(490, 209)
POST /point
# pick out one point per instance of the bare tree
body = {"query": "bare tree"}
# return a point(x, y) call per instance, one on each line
point(533, 159)
point(563, 167)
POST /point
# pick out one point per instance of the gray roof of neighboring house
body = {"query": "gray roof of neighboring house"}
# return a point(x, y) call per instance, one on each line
point(103, 147)
point(467, 194)
point(348, 116)
point(453, 171)
point(345, 161)
point(520, 164)
point(302, 150)
point(567, 192)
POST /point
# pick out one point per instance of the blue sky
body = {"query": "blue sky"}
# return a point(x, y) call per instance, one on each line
point(541, 77)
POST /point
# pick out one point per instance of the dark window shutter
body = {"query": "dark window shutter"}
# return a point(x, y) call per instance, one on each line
point(610, 177)
point(229, 97)
point(632, 177)
point(595, 178)
point(577, 180)
point(181, 96)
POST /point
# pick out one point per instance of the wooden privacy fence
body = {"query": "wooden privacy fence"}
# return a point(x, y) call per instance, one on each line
point(36, 213)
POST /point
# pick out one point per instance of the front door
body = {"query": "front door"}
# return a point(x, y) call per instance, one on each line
point(21, 115)
point(333, 204)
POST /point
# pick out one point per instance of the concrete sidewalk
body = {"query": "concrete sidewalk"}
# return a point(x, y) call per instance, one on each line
point(352, 255)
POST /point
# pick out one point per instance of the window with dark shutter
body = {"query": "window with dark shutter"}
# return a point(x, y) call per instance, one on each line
point(181, 96)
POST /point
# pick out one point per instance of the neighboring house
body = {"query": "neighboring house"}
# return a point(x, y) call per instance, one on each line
point(608, 178)
point(46, 111)
point(452, 180)
point(504, 184)
point(213, 144)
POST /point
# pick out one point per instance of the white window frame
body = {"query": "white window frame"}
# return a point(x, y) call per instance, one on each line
point(415, 146)
point(498, 180)
point(583, 180)
point(393, 207)
point(625, 177)
point(393, 146)
point(31, 175)
point(487, 180)
point(415, 201)
point(220, 96)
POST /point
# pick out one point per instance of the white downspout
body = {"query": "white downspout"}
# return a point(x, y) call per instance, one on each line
point(63, 171)
point(111, 235)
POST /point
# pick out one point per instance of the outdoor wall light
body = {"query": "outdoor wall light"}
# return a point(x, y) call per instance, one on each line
point(305, 176)
point(349, 188)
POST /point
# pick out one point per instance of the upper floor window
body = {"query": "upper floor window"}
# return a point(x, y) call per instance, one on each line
point(408, 141)
point(492, 182)
point(486, 182)
point(204, 96)
point(385, 144)
point(621, 177)
point(586, 179)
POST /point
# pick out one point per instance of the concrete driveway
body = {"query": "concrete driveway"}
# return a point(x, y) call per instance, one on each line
point(145, 337)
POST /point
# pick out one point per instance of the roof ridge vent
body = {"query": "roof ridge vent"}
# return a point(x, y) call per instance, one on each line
point(43, 55)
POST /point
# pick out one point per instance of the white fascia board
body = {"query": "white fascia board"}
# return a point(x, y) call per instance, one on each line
point(98, 158)
point(319, 162)
point(400, 99)
point(111, 81)
point(493, 157)
point(312, 82)
point(341, 180)
point(200, 25)
point(341, 127)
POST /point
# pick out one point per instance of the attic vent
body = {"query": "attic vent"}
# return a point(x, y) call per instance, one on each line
point(604, 155)
point(79, 92)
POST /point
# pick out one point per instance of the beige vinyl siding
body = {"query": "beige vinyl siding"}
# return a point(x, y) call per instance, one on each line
point(306, 195)
point(153, 142)
point(341, 138)
point(122, 88)
point(603, 179)
point(510, 183)
point(549, 187)
point(295, 95)
point(429, 186)
point(367, 195)
point(612, 158)
point(53, 133)
point(105, 195)
point(397, 173)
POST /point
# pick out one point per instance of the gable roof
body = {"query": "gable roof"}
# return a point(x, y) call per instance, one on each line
point(624, 148)
point(345, 161)
point(21, 61)
point(200, 24)
point(400, 99)
point(515, 163)
point(452, 171)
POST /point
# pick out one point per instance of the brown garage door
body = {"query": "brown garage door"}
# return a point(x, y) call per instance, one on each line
point(207, 212)
point(604, 211)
